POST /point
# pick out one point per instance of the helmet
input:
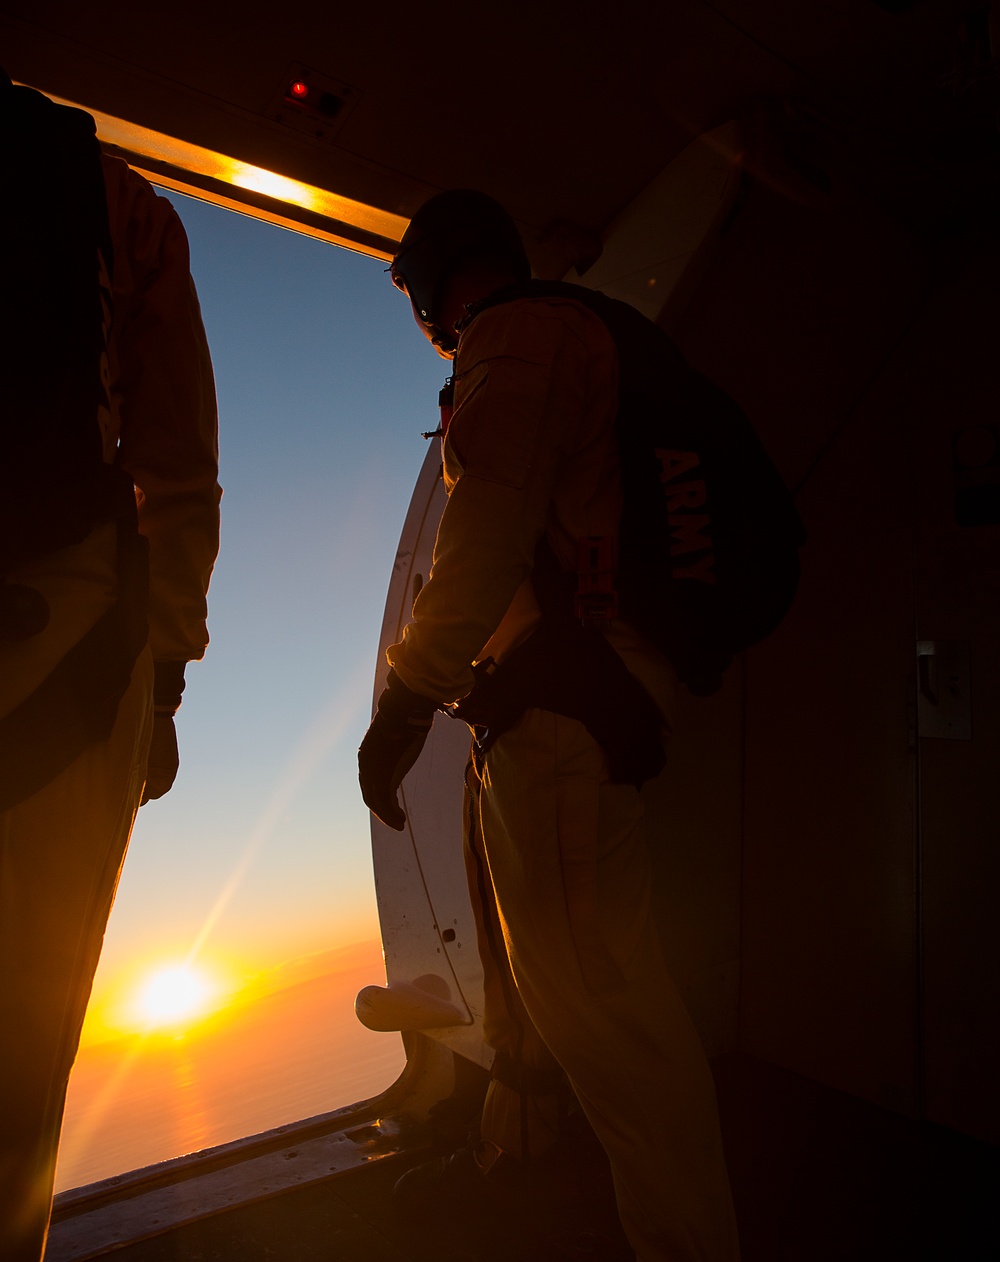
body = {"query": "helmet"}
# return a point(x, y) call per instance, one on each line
point(447, 232)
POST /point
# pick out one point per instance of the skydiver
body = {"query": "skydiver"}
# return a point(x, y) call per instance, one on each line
point(576, 987)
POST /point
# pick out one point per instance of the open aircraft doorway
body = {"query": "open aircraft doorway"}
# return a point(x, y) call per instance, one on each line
point(245, 923)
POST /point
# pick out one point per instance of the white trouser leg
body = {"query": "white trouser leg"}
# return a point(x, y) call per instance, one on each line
point(568, 862)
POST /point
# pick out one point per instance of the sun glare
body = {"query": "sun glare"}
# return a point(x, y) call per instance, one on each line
point(270, 184)
point(173, 996)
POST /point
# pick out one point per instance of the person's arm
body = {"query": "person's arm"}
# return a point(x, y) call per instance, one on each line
point(169, 447)
point(519, 399)
point(521, 386)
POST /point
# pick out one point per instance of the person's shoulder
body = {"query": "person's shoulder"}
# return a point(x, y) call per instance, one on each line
point(122, 182)
point(537, 319)
point(143, 223)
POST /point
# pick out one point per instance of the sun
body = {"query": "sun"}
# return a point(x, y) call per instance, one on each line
point(174, 995)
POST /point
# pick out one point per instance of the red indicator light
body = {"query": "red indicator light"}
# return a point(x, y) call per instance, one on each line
point(298, 90)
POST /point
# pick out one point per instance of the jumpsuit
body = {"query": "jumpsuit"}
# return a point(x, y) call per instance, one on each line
point(557, 854)
point(62, 847)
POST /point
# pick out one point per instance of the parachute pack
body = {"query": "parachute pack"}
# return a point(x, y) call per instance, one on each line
point(708, 551)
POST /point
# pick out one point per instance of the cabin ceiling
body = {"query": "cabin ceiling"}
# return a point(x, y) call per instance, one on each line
point(562, 110)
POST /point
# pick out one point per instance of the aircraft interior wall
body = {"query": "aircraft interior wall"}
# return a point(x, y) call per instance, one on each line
point(696, 851)
point(957, 598)
point(859, 347)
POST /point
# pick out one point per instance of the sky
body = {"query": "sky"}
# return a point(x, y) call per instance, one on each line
point(260, 854)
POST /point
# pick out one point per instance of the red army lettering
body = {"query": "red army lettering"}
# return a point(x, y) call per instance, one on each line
point(674, 463)
point(685, 529)
point(701, 571)
point(685, 526)
point(685, 495)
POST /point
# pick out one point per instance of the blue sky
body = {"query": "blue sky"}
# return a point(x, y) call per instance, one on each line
point(261, 852)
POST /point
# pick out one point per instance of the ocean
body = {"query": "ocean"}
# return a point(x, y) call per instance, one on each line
point(287, 1055)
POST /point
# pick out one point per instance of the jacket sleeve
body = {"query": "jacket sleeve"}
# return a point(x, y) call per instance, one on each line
point(520, 393)
point(168, 417)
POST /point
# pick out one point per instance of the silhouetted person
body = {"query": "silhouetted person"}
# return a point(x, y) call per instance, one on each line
point(575, 982)
point(90, 672)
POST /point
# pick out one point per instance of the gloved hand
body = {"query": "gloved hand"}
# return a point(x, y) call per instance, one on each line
point(163, 761)
point(391, 746)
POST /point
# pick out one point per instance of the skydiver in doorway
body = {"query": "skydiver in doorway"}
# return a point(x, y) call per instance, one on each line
point(575, 979)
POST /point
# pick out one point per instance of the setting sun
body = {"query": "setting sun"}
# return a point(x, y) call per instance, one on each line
point(174, 994)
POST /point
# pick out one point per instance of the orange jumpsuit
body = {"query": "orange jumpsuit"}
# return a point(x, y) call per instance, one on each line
point(557, 853)
point(62, 848)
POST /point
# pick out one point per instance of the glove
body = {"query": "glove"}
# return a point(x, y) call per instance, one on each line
point(161, 766)
point(391, 746)
point(163, 760)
